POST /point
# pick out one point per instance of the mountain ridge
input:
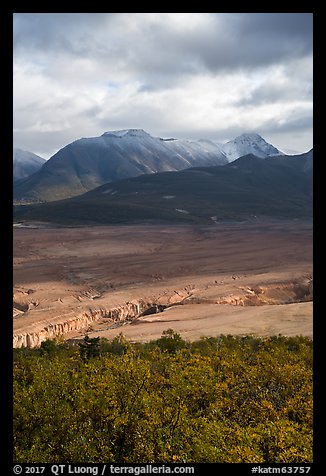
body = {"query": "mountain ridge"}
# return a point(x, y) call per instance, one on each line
point(88, 163)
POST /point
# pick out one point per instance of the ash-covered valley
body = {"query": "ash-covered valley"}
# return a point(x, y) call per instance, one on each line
point(228, 278)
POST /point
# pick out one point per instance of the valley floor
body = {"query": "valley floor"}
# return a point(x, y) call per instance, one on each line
point(231, 278)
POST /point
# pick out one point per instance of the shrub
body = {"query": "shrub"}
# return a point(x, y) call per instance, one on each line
point(226, 399)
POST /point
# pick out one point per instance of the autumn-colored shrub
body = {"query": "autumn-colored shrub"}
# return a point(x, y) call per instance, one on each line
point(225, 399)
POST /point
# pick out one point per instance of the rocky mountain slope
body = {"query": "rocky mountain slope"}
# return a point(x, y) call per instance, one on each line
point(25, 163)
point(88, 163)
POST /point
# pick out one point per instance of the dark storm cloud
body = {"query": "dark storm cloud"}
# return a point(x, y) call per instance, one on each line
point(279, 25)
point(54, 33)
point(251, 40)
point(223, 42)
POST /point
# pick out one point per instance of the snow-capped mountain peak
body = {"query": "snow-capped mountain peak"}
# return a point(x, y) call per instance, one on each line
point(127, 132)
point(246, 137)
point(249, 143)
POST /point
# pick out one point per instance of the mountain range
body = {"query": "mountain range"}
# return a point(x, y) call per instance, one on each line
point(25, 163)
point(247, 188)
point(88, 163)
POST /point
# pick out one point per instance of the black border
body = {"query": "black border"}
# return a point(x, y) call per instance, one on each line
point(7, 9)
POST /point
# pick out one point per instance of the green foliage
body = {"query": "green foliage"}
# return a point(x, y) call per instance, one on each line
point(89, 348)
point(171, 342)
point(52, 347)
point(225, 399)
point(117, 346)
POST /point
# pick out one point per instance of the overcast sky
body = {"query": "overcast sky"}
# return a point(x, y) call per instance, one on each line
point(184, 75)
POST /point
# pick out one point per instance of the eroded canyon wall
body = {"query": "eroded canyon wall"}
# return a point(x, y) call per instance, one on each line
point(127, 311)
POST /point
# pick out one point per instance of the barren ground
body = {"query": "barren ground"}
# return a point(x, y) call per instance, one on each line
point(250, 278)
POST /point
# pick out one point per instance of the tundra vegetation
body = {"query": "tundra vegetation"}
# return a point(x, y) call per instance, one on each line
point(218, 399)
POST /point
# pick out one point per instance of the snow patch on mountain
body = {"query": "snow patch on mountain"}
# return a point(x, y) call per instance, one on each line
point(139, 144)
point(127, 133)
point(181, 210)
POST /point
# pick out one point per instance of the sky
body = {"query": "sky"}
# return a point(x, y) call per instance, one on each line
point(183, 75)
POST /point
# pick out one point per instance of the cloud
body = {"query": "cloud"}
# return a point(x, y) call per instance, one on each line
point(284, 83)
point(165, 43)
point(187, 74)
